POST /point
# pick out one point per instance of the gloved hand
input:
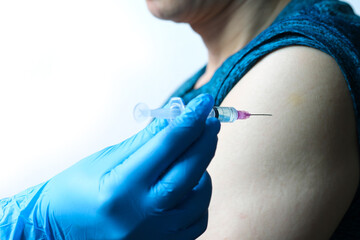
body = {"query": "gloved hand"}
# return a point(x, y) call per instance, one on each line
point(154, 185)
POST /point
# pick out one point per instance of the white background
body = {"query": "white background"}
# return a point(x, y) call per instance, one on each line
point(71, 72)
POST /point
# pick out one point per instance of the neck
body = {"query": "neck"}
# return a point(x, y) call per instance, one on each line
point(230, 30)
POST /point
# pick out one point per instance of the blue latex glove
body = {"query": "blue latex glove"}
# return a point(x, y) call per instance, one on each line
point(154, 185)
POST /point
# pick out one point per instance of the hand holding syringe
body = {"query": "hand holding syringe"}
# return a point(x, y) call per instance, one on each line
point(176, 107)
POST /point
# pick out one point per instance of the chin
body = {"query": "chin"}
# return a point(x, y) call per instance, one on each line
point(167, 9)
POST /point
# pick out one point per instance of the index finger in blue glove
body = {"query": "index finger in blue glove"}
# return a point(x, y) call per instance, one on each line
point(162, 150)
point(151, 160)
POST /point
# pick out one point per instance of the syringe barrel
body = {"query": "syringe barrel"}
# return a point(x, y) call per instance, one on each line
point(224, 114)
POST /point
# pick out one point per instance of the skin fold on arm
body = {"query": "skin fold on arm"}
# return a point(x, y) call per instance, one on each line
point(291, 176)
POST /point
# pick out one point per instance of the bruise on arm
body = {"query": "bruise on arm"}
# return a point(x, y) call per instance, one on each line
point(292, 175)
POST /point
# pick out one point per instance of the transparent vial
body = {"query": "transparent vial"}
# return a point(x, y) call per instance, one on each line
point(224, 114)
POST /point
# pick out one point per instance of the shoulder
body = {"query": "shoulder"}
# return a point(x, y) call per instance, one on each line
point(292, 175)
point(327, 10)
point(329, 25)
point(306, 92)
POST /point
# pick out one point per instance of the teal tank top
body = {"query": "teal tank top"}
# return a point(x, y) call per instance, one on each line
point(328, 25)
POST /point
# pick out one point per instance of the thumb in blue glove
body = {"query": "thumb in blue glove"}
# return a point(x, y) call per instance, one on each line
point(152, 186)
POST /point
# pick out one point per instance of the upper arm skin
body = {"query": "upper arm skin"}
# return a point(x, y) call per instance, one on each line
point(292, 175)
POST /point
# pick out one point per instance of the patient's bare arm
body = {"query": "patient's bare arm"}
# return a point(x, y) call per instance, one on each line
point(293, 175)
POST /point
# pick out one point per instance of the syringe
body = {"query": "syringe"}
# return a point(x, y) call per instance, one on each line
point(176, 107)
